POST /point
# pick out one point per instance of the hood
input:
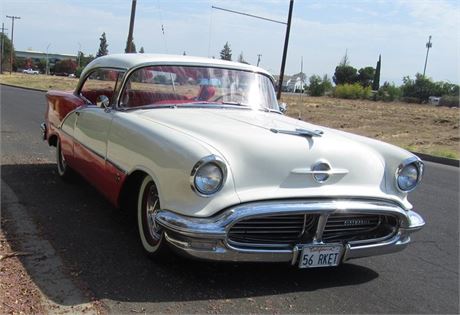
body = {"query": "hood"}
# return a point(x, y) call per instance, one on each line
point(276, 164)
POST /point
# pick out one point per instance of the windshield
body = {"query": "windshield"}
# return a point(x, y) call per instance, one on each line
point(203, 86)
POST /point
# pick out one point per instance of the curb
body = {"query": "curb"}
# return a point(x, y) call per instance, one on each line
point(423, 156)
point(438, 159)
point(23, 87)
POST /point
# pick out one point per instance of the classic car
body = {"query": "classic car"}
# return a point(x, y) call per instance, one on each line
point(201, 152)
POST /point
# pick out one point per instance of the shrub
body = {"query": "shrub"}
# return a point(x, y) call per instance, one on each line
point(388, 92)
point(352, 91)
point(450, 101)
point(318, 86)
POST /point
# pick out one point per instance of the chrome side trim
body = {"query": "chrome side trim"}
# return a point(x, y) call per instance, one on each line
point(95, 153)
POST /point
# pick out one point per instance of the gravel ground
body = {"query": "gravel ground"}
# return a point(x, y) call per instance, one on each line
point(19, 294)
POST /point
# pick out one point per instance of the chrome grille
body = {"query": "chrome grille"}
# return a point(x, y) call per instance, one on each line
point(273, 230)
point(352, 227)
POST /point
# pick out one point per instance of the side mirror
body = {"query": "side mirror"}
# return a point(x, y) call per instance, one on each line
point(283, 107)
point(103, 101)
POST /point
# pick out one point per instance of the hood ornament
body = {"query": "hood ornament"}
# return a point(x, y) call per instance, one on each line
point(299, 132)
point(321, 171)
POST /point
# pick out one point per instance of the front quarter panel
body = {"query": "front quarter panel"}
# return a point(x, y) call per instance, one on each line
point(168, 155)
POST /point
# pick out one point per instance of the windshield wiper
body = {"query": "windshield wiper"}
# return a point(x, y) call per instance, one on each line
point(269, 110)
point(235, 103)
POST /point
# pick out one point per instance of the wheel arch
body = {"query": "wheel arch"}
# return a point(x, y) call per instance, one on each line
point(52, 140)
point(127, 199)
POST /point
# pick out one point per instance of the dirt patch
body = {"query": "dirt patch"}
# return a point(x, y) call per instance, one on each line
point(19, 294)
point(421, 128)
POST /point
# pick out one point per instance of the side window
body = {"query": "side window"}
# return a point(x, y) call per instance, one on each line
point(101, 82)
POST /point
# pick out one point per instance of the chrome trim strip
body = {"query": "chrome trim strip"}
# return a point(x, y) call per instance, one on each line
point(308, 171)
point(94, 152)
point(320, 228)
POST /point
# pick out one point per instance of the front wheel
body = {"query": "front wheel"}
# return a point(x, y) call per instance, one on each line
point(148, 204)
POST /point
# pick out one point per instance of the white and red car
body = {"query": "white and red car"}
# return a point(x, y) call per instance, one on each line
point(200, 150)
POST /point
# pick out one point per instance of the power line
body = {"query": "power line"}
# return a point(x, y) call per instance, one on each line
point(250, 15)
point(12, 37)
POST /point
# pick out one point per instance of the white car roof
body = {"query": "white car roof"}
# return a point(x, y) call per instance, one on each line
point(128, 61)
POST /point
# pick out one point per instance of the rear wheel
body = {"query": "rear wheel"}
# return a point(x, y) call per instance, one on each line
point(148, 204)
point(63, 169)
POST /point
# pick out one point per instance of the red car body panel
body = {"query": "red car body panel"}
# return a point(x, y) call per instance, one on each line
point(102, 174)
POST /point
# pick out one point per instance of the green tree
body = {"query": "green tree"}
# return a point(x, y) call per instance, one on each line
point(241, 59)
point(6, 52)
point(366, 76)
point(344, 74)
point(65, 66)
point(141, 51)
point(102, 46)
point(376, 81)
point(226, 52)
point(319, 86)
point(419, 89)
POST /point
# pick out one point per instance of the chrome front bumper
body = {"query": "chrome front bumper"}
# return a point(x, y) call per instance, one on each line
point(206, 238)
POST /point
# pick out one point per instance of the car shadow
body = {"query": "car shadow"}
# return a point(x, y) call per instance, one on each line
point(100, 249)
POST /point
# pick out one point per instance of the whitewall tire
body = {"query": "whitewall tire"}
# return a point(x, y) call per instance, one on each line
point(148, 203)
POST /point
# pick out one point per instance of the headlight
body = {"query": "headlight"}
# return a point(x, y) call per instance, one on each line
point(208, 176)
point(409, 174)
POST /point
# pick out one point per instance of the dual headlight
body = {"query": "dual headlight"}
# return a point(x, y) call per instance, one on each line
point(208, 176)
point(409, 174)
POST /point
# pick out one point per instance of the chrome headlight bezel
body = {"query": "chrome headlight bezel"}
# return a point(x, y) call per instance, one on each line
point(208, 160)
point(410, 161)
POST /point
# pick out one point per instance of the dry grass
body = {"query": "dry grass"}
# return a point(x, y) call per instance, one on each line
point(420, 128)
point(41, 81)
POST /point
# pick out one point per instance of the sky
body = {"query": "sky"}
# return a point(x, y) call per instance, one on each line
point(321, 32)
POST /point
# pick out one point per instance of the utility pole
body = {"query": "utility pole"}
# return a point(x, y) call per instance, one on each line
point(258, 59)
point(12, 17)
point(47, 60)
point(286, 43)
point(79, 54)
point(131, 26)
point(428, 46)
point(2, 43)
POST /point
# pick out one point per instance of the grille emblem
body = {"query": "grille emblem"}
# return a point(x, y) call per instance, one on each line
point(355, 222)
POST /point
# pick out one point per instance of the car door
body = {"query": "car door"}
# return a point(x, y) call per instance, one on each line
point(92, 126)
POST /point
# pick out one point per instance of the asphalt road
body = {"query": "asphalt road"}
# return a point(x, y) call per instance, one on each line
point(100, 248)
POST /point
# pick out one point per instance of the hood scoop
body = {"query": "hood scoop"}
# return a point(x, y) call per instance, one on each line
point(299, 132)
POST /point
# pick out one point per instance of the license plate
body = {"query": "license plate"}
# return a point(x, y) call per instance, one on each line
point(320, 255)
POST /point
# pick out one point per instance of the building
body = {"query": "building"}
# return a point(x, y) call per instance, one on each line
point(36, 56)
